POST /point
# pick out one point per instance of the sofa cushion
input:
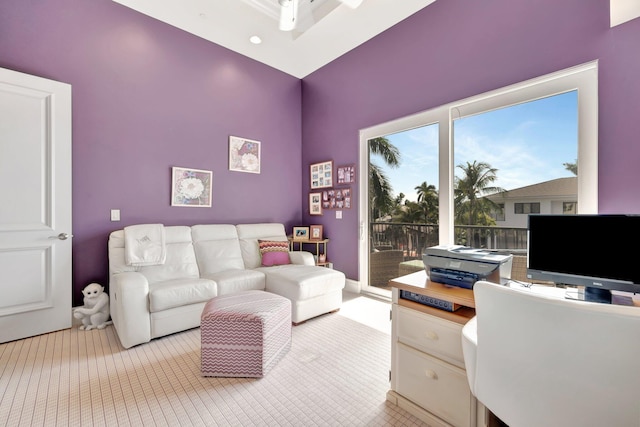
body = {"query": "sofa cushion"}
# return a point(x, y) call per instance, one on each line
point(179, 292)
point(180, 264)
point(217, 248)
point(249, 234)
point(301, 282)
point(232, 281)
point(274, 252)
point(180, 259)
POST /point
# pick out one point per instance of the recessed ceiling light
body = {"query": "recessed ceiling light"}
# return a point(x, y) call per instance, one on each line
point(255, 39)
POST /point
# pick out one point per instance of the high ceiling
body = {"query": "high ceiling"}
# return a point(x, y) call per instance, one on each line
point(325, 29)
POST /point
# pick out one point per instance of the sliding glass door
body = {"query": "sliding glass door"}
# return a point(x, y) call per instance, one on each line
point(471, 172)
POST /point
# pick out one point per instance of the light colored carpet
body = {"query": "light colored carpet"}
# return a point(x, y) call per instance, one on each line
point(336, 374)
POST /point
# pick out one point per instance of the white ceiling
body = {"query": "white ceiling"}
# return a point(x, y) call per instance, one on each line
point(326, 28)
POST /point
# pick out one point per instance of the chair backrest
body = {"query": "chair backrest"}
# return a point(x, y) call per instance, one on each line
point(384, 266)
point(548, 361)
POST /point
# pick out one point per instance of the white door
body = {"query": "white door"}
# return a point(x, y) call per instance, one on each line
point(35, 205)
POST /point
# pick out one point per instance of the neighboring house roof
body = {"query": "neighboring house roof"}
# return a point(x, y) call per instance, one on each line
point(560, 187)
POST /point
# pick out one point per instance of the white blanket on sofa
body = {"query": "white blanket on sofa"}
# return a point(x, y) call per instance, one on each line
point(144, 245)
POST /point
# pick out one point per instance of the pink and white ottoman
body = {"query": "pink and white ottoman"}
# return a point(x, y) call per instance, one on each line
point(244, 334)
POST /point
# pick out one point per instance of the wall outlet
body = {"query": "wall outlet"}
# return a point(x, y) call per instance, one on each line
point(115, 214)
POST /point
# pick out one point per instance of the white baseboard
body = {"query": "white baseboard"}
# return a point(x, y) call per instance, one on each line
point(352, 286)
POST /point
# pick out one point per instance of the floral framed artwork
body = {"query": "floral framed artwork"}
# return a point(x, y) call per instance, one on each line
point(244, 155)
point(346, 174)
point(315, 232)
point(191, 187)
point(321, 174)
point(300, 233)
point(315, 204)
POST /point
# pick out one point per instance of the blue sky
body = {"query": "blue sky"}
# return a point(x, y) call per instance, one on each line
point(527, 143)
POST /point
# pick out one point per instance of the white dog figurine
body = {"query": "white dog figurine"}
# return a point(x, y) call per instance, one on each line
point(95, 312)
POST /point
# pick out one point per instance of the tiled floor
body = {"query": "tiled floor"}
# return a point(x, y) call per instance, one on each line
point(336, 374)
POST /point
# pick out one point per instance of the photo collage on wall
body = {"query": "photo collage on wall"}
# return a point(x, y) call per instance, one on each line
point(326, 195)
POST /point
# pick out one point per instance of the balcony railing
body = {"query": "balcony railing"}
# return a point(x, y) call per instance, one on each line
point(405, 242)
point(414, 238)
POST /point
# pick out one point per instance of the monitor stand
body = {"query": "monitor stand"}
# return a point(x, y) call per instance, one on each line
point(589, 294)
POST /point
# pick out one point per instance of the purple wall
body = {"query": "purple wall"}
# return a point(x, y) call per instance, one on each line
point(454, 49)
point(146, 97)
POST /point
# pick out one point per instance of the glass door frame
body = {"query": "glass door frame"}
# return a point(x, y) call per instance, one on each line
point(583, 78)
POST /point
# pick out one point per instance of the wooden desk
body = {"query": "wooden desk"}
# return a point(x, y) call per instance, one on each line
point(417, 282)
point(428, 376)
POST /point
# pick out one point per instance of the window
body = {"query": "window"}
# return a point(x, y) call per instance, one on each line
point(526, 208)
point(569, 208)
point(581, 79)
point(498, 213)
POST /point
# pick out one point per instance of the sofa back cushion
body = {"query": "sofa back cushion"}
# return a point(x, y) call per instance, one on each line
point(249, 234)
point(217, 248)
point(179, 264)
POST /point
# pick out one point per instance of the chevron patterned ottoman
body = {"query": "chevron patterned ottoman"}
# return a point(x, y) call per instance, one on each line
point(244, 334)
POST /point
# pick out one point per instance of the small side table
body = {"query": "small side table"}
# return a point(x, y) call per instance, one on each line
point(320, 244)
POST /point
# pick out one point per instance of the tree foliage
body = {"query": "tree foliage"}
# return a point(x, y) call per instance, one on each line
point(381, 198)
point(428, 201)
point(477, 181)
point(572, 167)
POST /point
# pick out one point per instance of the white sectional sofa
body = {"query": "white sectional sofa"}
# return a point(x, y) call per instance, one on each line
point(203, 261)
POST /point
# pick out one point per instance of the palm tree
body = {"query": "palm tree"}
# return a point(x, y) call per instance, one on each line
point(381, 198)
point(428, 200)
point(380, 192)
point(572, 167)
point(476, 182)
point(410, 212)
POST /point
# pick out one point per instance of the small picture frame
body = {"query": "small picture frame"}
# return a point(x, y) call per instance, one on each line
point(300, 233)
point(244, 155)
point(337, 198)
point(315, 232)
point(315, 203)
point(346, 174)
point(321, 174)
point(191, 187)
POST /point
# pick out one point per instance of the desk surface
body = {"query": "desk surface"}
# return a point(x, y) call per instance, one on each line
point(417, 282)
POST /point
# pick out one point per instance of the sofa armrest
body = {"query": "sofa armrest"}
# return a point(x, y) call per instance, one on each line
point(302, 258)
point(129, 306)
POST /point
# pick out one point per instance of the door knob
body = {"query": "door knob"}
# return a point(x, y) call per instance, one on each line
point(62, 236)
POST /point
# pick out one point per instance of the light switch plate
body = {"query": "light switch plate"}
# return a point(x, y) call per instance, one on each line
point(115, 214)
point(338, 214)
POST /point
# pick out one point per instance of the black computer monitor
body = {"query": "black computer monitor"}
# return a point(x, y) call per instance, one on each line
point(599, 252)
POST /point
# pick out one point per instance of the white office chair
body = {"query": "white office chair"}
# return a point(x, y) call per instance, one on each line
point(537, 360)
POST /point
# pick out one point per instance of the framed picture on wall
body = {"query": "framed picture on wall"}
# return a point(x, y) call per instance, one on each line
point(346, 174)
point(337, 198)
point(300, 233)
point(315, 232)
point(244, 155)
point(315, 204)
point(191, 187)
point(321, 174)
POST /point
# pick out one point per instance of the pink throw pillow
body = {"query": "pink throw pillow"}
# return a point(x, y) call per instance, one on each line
point(274, 252)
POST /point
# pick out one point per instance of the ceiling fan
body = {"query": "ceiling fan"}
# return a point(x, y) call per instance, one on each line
point(289, 12)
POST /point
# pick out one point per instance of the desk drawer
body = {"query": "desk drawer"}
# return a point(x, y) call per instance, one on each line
point(430, 334)
point(437, 386)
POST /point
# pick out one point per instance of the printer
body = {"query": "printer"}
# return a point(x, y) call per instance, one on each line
point(463, 266)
